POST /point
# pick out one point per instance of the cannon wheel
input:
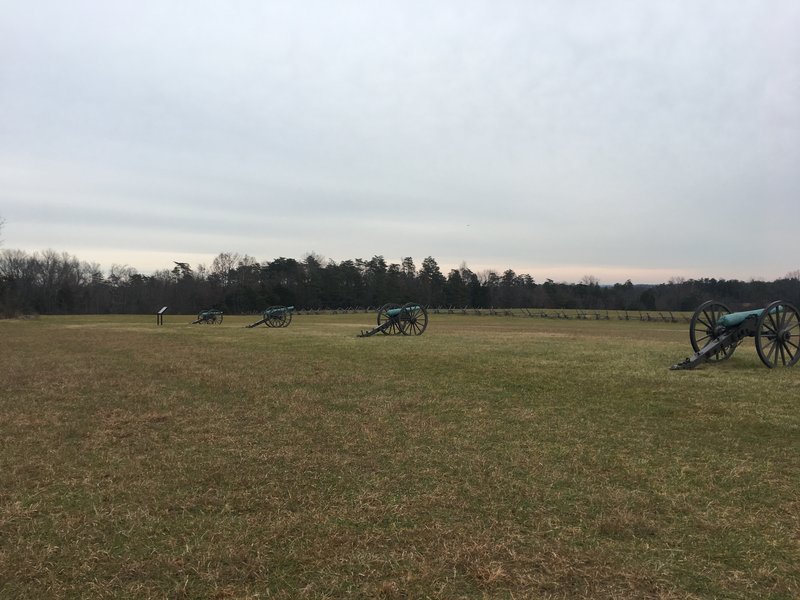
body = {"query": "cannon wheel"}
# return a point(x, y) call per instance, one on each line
point(274, 319)
point(413, 319)
point(287, 318)
point(702, 329)
point(778, 335)
point(383, 316)
point(218, 319)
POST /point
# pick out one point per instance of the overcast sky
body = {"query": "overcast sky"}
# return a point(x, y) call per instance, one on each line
point(618, 139)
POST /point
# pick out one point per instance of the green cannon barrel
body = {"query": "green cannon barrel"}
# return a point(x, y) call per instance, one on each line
point(278, 311)
point(734, 319)
point(393, 312)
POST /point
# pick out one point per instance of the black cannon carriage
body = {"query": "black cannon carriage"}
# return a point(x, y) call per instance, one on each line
point(394, 319)
point(275, 316)
point(715, 332)
point(208, 317)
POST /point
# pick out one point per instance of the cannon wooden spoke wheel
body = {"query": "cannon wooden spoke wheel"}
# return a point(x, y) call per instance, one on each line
point(384, 317)
point(704, 328)
point(413, 319)
point(274, 316)
point(778, 335)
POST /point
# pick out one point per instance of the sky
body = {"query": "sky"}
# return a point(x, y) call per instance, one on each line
point(559, 138)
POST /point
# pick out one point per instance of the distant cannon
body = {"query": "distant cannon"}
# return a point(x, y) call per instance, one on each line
point(209, 317)
point(275, 316)
point(715, 333)
point(393, 319)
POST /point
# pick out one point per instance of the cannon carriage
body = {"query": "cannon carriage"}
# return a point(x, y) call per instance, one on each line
point(275, 316)
point(715, 332)
point(208, 317)
point(394, 319)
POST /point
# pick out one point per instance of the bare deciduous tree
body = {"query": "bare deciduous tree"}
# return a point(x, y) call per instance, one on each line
point(223, 267)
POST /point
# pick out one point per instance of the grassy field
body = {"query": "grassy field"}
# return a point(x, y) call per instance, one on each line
point(492, 457)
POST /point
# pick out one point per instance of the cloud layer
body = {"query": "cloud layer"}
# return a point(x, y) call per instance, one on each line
point(557, 138)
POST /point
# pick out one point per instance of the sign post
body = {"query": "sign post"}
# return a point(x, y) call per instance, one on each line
point(160, 315)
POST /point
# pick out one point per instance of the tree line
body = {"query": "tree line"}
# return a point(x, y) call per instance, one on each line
point(58, 283)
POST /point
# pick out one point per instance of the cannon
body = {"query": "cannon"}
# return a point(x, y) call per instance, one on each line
point(209, 317)
point(393, 319)
point(275, 316)
point(715, 333)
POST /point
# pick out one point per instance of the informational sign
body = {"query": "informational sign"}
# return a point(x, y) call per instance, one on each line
point(160, 315)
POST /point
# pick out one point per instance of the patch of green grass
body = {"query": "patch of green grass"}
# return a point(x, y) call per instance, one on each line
point(491, 457)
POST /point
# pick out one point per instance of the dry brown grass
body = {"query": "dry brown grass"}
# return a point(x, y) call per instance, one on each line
point(490, 458)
